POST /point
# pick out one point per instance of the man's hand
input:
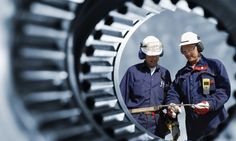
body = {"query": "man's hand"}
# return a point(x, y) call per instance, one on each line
point(173, 110)
point(202, 108)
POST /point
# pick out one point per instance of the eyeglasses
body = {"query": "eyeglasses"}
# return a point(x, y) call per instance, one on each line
point(188, 50)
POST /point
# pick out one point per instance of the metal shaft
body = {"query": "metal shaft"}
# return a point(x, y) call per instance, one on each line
point(155, 108)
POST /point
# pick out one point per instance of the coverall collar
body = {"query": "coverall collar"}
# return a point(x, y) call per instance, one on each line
point(147, 69)
point(200, 66)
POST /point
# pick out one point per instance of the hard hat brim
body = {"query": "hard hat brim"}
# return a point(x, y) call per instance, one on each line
point(189, 43)
point(151, 53)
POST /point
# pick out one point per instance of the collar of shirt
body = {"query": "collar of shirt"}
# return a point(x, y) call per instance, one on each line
point(148, 70)
point(152, 70)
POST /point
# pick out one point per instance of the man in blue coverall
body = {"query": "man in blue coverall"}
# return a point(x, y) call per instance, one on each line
point(203, 82)
point(145, 84)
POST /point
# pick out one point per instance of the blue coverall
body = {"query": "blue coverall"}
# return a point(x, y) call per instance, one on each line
point(188, 88)
point(141, 89)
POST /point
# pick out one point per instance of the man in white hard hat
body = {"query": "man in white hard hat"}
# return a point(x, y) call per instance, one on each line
point(202, 82)
point(145, 84)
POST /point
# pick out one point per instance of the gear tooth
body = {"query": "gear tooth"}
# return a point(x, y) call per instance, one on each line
point(234, 94)
point(66, 81)
point(234, 58)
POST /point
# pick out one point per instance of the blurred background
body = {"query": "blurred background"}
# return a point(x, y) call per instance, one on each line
point(61, 62)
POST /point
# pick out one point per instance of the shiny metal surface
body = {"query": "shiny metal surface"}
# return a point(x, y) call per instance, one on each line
point(60, 65)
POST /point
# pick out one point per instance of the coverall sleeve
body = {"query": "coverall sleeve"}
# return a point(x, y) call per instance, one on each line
point(124, 86)
point(167, 81)
point(173, 93)
point(222, 93)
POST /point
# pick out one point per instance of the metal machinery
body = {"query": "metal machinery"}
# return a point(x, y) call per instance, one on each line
point(59, 61)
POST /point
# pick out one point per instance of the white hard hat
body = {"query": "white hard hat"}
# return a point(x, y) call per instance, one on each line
point(151, 46)
point(189, 38)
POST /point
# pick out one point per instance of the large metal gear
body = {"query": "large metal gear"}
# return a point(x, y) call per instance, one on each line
point(61, 64)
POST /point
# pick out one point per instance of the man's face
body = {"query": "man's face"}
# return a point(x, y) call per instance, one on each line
point(190, 52)
point(151, 61)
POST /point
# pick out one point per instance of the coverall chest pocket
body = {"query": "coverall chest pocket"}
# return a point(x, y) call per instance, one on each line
point(208, 83)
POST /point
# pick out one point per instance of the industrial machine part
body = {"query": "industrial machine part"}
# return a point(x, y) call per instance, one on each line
point(59, 66)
